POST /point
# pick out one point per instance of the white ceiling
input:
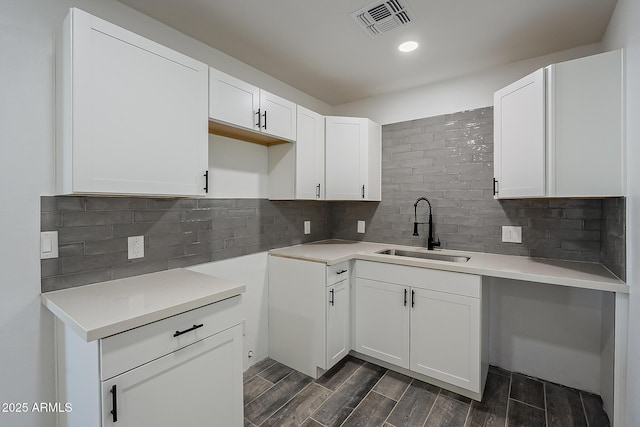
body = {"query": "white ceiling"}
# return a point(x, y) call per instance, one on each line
point(315, 46)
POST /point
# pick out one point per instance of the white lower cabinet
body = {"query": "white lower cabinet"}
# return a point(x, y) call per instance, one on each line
point(426, 321)
point(182, 370)
point(338, 321)
point(309, 314)
point(445, 338)
point(382, 321)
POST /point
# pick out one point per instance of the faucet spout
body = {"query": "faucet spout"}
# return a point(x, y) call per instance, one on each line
point(431, 243)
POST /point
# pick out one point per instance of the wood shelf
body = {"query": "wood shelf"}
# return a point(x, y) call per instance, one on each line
point(234, 132)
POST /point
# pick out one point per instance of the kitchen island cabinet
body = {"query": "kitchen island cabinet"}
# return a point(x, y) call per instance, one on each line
point(118, 367)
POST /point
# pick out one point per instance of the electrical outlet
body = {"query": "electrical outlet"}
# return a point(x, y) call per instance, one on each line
point(135, 247)
point(307, 227)
point(360, 226)
point(511, 234)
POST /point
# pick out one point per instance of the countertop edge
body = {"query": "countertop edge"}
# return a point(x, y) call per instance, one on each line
point(620, 287)
point(141, 320)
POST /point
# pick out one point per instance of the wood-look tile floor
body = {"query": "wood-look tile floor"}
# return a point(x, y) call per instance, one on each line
point(357, 393)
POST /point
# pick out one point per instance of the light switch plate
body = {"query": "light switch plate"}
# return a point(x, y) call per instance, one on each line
point(360, 226)
point(307, 227)
point(48, 244)
point(511, 234)
point(135, 247)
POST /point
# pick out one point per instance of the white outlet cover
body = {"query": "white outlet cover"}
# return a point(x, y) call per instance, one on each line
point(135, 247)
point(307, 227)
point(360, 226)
point(511, 234)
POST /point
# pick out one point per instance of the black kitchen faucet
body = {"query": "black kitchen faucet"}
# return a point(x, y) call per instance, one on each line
point(430, 242)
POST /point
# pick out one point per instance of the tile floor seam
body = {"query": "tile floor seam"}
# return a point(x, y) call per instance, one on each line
point(431, 409)
point(506, 415)
point(397, 401)
point(310, 417)
point(528, 404)
point(359, 403)
point(346, 380)
point(584, 409)
point(468, 413)
point(285, 403)
point(258, 373)
point(272, 385)
point(311, 414)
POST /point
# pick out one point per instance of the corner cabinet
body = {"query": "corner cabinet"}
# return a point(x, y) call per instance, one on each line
point(131, 114)
point(428, 322)
point(235, 105)
point(309, 314)
point(353, 159)
point(558, 131)
point(182, 370)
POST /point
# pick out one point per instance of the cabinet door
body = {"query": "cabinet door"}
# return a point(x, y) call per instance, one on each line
point(233, 101)
point(445, 337)
point(519, 138)
point(585, 127)
point(338, 322)
point(199, 385)
point(139, 114)
point(382, 321)
point(346, 158)
point(309, 155)
point(278, 116)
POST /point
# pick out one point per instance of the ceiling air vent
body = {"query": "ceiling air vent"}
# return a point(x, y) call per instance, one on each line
point(382, 16)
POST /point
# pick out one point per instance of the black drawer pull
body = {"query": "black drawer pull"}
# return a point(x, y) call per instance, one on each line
point(341, 271)
point(114, 403)
point(332, 300)
point(178, 333)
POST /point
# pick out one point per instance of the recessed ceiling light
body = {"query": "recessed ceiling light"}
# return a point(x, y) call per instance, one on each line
point(408, 46)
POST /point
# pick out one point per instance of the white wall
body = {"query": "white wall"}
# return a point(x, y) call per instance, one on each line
point(238, 169)
point(26, 173)
point(546, 331)
point(250, 270)
point(464, 93)
point(26, 123)
point(624, 32)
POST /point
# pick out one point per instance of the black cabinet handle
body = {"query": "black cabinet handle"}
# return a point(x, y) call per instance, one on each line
point(265, 120)
point(341, 271)
point(193, 328)
point(332, 300)
point(206, 182)
point(405, 297)
point(495, 182)
point(114, 404)
point(318, 191)
point(363, 191)
point(413, 298)
point(259, 124)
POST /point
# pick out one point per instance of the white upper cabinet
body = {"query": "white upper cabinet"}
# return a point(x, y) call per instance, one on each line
point(558, 131)
point(586, 156)
point(519, 134)
point(233, 101)
point(310, 155)
point(352, 159)
point(239, 104)
point(131, 114)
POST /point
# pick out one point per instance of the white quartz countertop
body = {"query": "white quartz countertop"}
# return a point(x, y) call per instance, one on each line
point(556, 272)
point(102, 309)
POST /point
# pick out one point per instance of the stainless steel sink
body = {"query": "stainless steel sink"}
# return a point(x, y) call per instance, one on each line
point(424, 255)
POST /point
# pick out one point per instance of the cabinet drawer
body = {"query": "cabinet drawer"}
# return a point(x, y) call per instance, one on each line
point(338, 272)
point(125, 351)
point(423, 278)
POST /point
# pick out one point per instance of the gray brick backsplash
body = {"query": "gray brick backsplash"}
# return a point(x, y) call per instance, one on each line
point(451, 158)
point(447, 158)
point(93, 233)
